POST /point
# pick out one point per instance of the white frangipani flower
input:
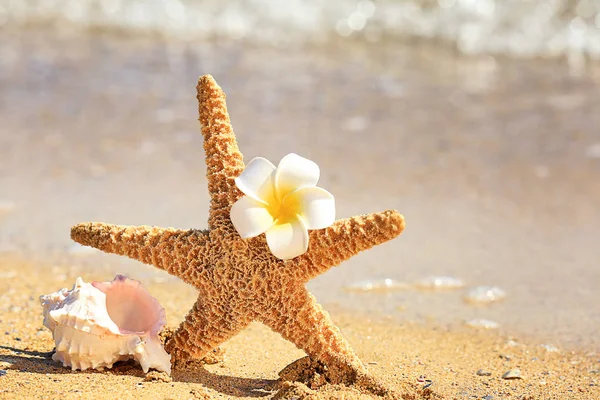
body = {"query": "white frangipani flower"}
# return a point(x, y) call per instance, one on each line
point(284, 202)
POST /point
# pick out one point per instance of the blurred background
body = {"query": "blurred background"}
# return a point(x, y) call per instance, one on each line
point(477, 119)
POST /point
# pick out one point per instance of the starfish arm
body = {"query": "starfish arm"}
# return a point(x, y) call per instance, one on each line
point(206, 326)
point(300, 319)
point(179, 252)
point(345, 238)
point(224, 162)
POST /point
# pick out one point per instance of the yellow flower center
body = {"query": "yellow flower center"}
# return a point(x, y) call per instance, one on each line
point(283, 211)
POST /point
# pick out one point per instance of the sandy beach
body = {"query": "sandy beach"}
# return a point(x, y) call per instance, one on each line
point(408, 357)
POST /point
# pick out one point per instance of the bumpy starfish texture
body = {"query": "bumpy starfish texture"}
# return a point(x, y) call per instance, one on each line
point(239, 280)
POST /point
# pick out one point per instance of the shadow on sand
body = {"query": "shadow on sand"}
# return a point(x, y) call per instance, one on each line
point(40, 362)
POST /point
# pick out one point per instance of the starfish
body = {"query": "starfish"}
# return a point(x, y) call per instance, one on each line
point(239, 280)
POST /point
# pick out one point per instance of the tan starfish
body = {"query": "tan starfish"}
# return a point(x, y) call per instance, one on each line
point(239, 280)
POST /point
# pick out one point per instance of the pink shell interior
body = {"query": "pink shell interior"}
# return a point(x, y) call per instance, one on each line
point(131, 307)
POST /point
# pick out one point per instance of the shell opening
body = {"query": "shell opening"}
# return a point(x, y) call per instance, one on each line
point(130, 306)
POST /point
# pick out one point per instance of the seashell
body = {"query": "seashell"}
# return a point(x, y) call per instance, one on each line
point(97, 324)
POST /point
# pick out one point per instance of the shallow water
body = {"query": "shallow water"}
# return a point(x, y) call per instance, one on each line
point(493, 161)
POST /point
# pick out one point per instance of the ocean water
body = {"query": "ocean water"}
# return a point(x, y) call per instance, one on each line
point(491, 149)
point(513, 27)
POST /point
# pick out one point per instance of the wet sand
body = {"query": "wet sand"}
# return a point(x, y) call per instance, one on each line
point(405, 356)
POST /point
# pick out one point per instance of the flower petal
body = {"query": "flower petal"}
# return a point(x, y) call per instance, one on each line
point(288, 240)
point(256, 180)
point(295, 172)
point(315, 205)
point(250, 217)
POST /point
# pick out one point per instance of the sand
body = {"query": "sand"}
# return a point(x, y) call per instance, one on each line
point(419, 361)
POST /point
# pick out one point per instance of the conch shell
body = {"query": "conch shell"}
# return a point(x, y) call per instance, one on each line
point(97, 324)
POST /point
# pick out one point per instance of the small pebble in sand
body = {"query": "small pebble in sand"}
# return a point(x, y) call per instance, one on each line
point(376, 285)
point(514, 373)
point(488, 397)
point(426, 382)
point(483, 372)
point(2, 372)
point(439, 283)
point(481, 295)
point(157, 376)
point(482, 324)
point(44, 333)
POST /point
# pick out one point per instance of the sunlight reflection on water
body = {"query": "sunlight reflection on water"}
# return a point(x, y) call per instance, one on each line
point(512, 27)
